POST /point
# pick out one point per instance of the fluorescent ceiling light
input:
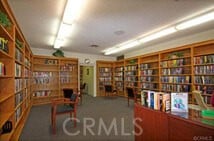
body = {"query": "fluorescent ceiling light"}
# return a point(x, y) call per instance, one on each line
point(122, 47)
point(196, 21)
point(58, 43)
point(64, 30)
point(72, 11)
point(159, 34)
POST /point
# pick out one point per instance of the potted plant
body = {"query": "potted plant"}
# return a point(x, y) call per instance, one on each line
point(58, 53)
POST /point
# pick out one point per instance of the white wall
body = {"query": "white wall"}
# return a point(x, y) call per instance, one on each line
point(203, 36)
point(93, 58)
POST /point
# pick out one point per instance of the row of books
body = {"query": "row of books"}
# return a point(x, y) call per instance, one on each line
point(42, 80)
point(67, 67)
point(131, 84)
point(118, 74)
point(18, 113)
point(207, 59)
point(149, 86)
point(42, 74)
point(147, 78)
point(205, 89)
point(42, 93)
point(65, 80)
point(27, 72)
point(175, 63)
point(18, 85)
point(102, 83)
point(144, 66)
point(118, 69)
point(204, 79)
point(128, 73)
point(176, 102)
point(119, 84)
point(131, 68)
point(175, 88)
point(19, 98)
point(175, 79)
point(172, 71)
point(208, 69)
point(4, 45)
point(118, 78)
point(108, 74)
point(148, 72)
point(105, 79)
point(18, 70)
point(18, 55)
point(131, 78)
point(27, 62)
point(65, 74)
point(105, 69)
point(2, 69)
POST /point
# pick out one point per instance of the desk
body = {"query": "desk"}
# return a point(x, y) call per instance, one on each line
point(161, 126)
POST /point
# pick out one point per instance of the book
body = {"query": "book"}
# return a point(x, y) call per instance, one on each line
point(165, 102)
point(179, 102)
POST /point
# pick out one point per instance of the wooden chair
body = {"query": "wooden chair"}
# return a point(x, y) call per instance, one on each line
point(132, 94)
point(61, 106)
point(109, 91)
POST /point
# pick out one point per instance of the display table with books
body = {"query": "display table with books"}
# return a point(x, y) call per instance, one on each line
point(157, 125)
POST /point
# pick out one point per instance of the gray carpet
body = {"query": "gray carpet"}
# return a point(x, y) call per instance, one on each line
point(112, 119)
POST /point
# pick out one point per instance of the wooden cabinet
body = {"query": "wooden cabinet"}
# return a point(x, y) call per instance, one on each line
point(160, 126)
point(104, 76)
point(15, 76)
point(119, 77)
point(51, 75)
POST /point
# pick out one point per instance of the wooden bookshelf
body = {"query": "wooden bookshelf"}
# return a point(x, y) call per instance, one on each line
point(104, 76)
point(15, 76)
point(203, 70)
point(131, 73)
point(175, 71)
point(149, 72)
point(68, 74)
point(51, 75)
point(119, 77)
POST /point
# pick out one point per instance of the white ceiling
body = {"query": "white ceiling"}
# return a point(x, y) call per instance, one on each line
point(99, 20)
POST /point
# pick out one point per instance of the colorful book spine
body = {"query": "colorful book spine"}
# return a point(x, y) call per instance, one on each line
point(2, 69)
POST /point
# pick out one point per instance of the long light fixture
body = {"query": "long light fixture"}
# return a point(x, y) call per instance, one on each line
point(71, 13)
point(196, 21)
point(143, 39)
point(157, 35)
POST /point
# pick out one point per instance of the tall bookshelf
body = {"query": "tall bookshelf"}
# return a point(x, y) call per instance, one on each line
point(175, 71)
point(119, 77)
point(15, 101)
point(203, 70)
point(104, 76)
point(131, 73)
point(149, 72)
point(68, 74)
point(51, 75)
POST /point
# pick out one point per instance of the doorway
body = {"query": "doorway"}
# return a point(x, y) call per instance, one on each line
point(87, 77)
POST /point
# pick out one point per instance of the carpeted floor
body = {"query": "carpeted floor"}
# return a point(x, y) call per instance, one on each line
point(100, 118)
